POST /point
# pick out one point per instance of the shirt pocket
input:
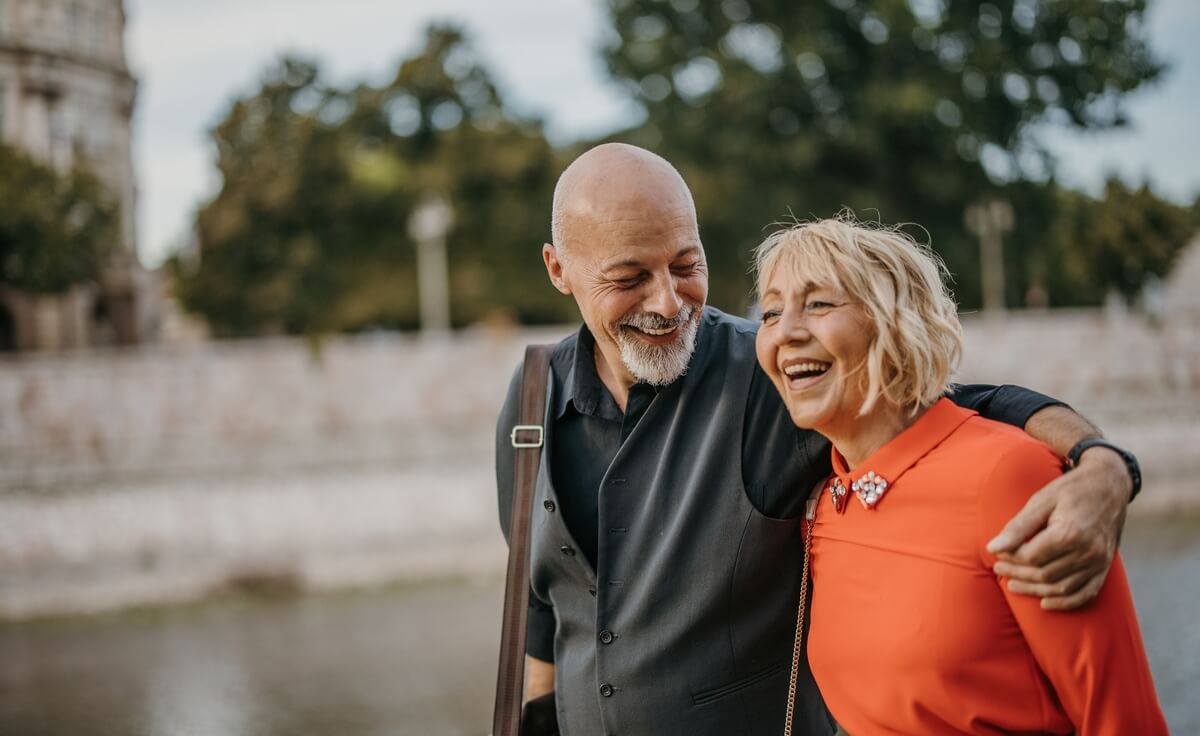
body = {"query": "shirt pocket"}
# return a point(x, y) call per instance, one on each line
point(705, 697)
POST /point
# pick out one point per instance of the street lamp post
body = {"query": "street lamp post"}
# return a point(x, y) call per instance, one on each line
point(988, 220)
point(428, 226)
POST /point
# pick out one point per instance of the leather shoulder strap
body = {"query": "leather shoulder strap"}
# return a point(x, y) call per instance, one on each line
point(527, 440)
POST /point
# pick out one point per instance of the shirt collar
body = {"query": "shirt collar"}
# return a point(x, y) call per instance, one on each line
point(583, 390)
point(879, 472)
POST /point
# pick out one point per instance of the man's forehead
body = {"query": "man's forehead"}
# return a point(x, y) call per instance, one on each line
point(623, 184)
point(636, 229)
point(632, 201)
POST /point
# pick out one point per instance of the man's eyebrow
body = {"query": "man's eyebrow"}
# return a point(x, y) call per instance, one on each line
point(626, 263)
point(635, 263)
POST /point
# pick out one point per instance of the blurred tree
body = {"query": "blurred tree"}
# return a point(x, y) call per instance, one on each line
point(56, 230)
point(447, 123)
point(309, 231)
point(1115, 241)
point(908, 108)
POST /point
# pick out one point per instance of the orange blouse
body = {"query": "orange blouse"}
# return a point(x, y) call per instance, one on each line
point(911, 631)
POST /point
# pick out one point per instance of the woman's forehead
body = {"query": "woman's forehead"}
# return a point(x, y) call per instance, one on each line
point(789, 272)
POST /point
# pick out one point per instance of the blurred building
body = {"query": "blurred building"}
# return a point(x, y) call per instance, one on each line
point(67, 98)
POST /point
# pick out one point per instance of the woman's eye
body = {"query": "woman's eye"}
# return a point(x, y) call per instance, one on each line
point(818, 304)
point(770, 314)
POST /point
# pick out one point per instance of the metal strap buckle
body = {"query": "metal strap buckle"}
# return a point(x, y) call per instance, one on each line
point(527, 428)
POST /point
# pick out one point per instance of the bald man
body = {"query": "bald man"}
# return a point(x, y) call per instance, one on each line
point(666, 545)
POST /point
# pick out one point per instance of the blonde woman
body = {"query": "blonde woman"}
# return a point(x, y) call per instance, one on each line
point(911, 631)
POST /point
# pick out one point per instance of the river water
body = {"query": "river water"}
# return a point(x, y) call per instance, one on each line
point(416, 659)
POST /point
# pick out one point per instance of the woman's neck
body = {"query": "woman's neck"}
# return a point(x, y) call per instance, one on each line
point(859, 437)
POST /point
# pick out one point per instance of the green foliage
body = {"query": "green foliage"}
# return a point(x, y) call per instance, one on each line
point(905, 110)
point(1116, 241)
point(909, 109)
point(309, 233)
point(56, 231)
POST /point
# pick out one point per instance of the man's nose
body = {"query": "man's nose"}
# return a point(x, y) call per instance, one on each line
point(663, 298)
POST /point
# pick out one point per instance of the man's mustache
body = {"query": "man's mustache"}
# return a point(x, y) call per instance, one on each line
point(652, 321)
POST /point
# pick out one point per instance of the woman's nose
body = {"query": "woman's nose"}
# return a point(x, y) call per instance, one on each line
point(795, 327)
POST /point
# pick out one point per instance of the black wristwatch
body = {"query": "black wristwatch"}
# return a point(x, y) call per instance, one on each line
point(1131, 463)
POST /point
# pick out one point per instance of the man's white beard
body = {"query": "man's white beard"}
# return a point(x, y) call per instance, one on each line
point(659, 365)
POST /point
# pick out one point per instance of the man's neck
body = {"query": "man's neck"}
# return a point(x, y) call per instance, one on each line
point(616, 379)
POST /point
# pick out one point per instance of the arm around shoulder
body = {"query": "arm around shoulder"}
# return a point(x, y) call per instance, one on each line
point(1060, 544)
point(1012, 405)
point(1093, 657)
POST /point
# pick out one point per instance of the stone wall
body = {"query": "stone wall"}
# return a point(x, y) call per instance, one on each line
point(161, 474)
point(250, 407)
point(1139, 382)
point(164, 473)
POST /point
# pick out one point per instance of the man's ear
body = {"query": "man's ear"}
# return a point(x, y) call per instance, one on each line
point(554, 268)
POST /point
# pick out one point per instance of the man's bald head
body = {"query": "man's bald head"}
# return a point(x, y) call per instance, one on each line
point(627, 248)
point(611, 181)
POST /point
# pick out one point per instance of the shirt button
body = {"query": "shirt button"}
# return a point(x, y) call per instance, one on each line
point(606, 690)
point(549, 506)
point(567, 551)
point(606, 637)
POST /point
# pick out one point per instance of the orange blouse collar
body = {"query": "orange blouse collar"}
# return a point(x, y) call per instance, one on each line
point(884, 467)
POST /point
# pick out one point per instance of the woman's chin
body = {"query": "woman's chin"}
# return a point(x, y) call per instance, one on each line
point(805, 417)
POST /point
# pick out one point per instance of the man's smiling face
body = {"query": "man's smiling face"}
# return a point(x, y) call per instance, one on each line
point(632, 258)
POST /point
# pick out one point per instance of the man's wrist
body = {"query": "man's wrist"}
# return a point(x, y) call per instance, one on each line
point(1123, 463)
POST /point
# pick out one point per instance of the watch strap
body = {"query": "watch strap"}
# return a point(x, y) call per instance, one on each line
point(1131, 463)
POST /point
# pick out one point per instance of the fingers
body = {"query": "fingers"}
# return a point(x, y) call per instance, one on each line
point(1080, 598)
point(1064, 590)
point(1049, 573)
point(1058, 539)
point(1064, 538)
point(1026, 523)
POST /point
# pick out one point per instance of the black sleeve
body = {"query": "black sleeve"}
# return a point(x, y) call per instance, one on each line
point(540, 640)
point(780, 462)
point(1009, 404)
point(505, 459)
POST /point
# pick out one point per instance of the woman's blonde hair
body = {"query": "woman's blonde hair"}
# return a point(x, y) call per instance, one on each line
point(901, 285)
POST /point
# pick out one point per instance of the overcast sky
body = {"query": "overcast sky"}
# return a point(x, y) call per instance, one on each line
point(192, 58)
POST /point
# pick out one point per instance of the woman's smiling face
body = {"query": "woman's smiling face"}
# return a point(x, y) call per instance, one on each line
point(813, 345)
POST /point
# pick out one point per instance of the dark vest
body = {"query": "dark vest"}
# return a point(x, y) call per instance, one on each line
point(686, 626)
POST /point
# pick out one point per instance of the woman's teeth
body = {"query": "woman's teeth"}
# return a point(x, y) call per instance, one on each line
point(805, 369)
